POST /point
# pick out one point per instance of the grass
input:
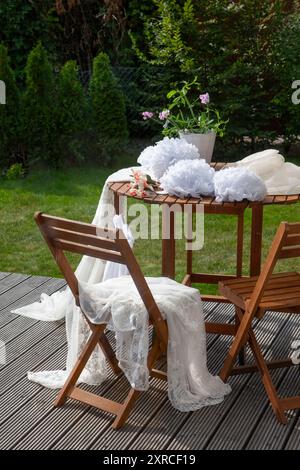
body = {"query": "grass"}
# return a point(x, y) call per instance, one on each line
point(75, 192)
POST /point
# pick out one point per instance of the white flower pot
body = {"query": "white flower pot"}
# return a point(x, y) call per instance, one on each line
point(204, 142)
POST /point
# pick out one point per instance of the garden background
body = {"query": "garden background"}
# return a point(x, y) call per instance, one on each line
point(80, 72)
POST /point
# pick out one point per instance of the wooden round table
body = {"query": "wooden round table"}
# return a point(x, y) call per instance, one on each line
point(210, 206)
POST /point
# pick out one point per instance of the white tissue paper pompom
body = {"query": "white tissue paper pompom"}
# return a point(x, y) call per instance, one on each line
point(159, 157)
point(236, 184)
point(189, 178)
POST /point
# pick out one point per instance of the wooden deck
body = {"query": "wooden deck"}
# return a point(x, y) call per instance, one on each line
point(29, 421)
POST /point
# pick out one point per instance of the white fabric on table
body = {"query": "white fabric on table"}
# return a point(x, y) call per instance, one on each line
point(280, 177)
point(62, 304)
point(118, 304)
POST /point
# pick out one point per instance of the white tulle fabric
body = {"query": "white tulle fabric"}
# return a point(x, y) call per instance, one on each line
point(159, 157)
point(61, 304)
point(236, 184)
point(118, 304)
point(189, 178)
point(280, 177)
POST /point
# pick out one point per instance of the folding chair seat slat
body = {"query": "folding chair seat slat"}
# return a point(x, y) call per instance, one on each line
point(252, 280)
point(289, 252)
point(281, 301)
point(270, 289)
point(293, 228)
point(292, 240)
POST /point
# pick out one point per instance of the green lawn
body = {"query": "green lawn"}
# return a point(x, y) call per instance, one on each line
point(74, 193)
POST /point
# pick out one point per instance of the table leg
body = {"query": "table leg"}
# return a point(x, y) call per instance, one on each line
point(168, 243)
point(117, 203)
point(239, 244)
point(256, 239)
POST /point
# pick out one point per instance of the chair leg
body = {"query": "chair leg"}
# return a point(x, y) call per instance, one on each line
point(79, 366)
point(242, 353)
point(237, 344)
point(109, 353)
point(126, 408)
point(106, 348)
point(134, 394)
point(267, 379)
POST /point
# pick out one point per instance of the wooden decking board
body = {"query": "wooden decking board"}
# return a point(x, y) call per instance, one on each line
point(18, 324)
point(25, 390)
point(201, 425)
point(28, 421)
point(83, 422)
point(241, 419)
point(19, 290)
point(268, 434)
point(44, 413)
point(23, 342)
point(31, 359)
point(165, 423)
point(8, 282)
point(293, 441)
point(199, 436)
point(68, 440)
point(33, 295)
point(92, 421)
point(137, 422)
point(57, 421)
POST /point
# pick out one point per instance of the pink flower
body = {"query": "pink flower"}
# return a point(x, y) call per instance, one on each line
point(139, 184)
point(147, 115)
point(132, 192)
point(164, 114)
point(136, 175)
point(204, 98)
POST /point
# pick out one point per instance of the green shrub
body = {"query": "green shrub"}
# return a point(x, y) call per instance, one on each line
point(72, 114)
point(15, 171)
point(245, 53)
point(108, 107)
point(9, 112)
point(39, 124)
point(22, 24)
point(286, 59)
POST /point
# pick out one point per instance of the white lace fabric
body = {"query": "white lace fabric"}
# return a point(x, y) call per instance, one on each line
point(62, 304)
point(118, 304)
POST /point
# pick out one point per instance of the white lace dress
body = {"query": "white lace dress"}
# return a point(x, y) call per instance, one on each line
point(118, 304)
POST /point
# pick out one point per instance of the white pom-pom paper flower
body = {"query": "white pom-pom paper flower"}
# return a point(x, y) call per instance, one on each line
point(236, 184)
point(159, 157)
point(189, 178)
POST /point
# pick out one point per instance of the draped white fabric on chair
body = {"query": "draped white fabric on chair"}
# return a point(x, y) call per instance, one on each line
point(61, 304)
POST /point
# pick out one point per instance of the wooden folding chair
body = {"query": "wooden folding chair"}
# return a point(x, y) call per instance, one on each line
point(64, 235)
point(253, 297)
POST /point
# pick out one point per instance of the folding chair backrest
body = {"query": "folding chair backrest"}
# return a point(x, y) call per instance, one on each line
point(286, 244)
point(63, 235)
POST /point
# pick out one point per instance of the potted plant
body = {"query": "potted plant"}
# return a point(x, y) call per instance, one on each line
point(191, 117)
